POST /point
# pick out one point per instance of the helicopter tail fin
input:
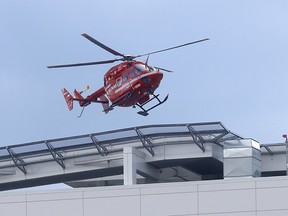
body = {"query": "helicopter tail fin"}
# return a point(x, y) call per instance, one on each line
point(68, 98)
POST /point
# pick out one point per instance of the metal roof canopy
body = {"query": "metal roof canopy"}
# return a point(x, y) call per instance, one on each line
point(200, 133)
point(274, 148)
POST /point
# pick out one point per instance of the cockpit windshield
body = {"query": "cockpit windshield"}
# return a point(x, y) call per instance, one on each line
point(139, 68)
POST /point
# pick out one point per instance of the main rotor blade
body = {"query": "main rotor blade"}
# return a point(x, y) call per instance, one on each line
point(85, 64)
point(93, 40)
point(163, 69)
point(175, 47)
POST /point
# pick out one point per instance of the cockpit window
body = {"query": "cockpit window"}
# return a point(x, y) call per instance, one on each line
point(139, 68)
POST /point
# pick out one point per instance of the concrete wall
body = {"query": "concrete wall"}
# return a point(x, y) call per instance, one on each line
point(233, 197)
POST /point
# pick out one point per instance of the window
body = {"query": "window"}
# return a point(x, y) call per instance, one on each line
point(139, 68)
point(132, 74)
point(125, 77)
point(119, 81)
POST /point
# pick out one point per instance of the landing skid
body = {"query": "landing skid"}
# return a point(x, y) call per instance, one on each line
point(144, 112)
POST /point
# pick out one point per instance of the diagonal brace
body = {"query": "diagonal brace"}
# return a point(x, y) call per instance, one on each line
point(103, 151)
point(19, 162)
point(199, 141)
point(269, 150)
point(148, 145)
point(58, 157)
point(219, 137)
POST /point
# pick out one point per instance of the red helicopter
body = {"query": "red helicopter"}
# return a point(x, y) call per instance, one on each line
point(131, 83)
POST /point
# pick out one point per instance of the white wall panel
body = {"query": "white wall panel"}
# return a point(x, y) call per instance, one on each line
point(11, 209)
point(273, 213)
point(229, 197)
point(169, 199)
point(56, 207)
point(252, 213)
point(114, 206)
point(272, 182)
point(12, 198)
point(227, 185)
point(169, 188)
point(272, 198)
point(112, 201)
point(12, 204)
point(227, 201)
point(111, 192)
point(169, 204)
point(55, 195)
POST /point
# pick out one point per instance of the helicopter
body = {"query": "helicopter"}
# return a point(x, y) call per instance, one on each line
point(128, 84)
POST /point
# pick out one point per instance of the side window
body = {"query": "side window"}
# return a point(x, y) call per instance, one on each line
point(125, 77)
point(119, 81)
point(132, 74)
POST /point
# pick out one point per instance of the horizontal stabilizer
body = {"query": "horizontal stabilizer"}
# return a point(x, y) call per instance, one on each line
point(105, 103)
point(78, 95)
point(82, 101)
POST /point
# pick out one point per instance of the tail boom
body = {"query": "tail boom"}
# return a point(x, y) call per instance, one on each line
point(96, 97)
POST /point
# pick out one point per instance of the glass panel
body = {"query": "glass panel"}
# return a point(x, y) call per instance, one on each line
point(29, 148)
point(167, 129)
point(132, 74)
point(229, 136)
point(116, 135)
point(125, 77)
point(71, 142)
point(139, 68)
point(3, 153)
point(119, 81)
point(207, 127)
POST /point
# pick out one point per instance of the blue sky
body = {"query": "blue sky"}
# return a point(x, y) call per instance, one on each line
point(238, 77)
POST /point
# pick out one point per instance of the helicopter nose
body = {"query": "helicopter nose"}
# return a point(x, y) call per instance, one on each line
point(158, 76)
point(153, 78)
point(146, 79)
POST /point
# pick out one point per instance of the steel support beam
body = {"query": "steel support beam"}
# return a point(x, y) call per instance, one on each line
point(199, 141)
point(103, 151)
point(57, 156)
point(217, 138)
point(269, 150)
point(19, 162)
point(148, 145)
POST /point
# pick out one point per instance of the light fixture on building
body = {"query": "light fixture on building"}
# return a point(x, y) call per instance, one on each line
point(285, 137)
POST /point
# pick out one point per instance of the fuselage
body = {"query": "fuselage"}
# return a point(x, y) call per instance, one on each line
point(129, 83)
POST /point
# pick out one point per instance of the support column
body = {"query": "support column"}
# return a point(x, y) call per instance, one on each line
point(134, 163)
point(129, 166)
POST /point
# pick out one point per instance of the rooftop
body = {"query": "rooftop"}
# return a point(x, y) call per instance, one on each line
point(163, 153)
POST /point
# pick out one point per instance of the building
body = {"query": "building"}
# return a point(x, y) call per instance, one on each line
point(175, 169)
